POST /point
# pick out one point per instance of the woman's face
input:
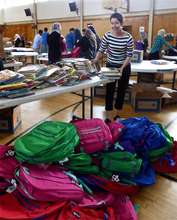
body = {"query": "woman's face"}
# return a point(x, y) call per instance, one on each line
point(115, 24)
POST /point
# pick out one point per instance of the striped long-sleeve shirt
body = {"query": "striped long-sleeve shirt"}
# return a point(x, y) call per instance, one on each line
point(118, 48)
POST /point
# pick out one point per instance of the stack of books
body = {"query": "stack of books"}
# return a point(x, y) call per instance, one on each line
point(110, 72)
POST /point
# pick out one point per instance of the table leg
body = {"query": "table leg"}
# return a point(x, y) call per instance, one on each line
point(83, 103)
point(174, 80)
point(91, 102)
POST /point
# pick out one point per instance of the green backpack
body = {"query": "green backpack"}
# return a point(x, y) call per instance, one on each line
point(51, 141)
point(120, 162)
point(81, 163)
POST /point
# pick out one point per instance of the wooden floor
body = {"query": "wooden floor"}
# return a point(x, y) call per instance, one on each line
point(156, 202)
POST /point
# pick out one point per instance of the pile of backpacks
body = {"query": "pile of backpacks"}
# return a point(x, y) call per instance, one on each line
point(85, 169)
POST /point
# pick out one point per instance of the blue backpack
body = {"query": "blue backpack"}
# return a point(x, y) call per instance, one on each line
point(144, 135)
point(145, 177)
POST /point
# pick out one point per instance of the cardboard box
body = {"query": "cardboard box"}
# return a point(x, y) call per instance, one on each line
point(100, 91)
point(169, 96)
point(147, 99)
point(141, 87)
point(157, 78)
point(10, 119)
point(128, 95)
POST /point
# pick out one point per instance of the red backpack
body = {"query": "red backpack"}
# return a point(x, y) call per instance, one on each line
point(167, 163)
point(114, 187)
point(8, 164)
point(94, 135)
point(11, 208)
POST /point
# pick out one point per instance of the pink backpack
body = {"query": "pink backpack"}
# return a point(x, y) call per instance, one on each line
point(94, 135)
point(49, 184)
point(71, 212)
point(121, 204)
point(8, 164)
point(75, 52)
point(123, 208)
point(116, 128)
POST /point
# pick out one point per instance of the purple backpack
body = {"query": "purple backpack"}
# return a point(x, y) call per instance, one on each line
point(94, 135)
point(51, 184)
point(8, 164)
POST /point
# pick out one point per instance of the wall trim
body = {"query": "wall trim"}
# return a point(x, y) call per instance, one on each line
point(96, 17)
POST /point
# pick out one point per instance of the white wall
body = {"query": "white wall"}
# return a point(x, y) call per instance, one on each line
point(144, 5)
point(140, 5)
point(1, 16)
point(166, 4)
point(17, 14)
point(94, 7)
point(60, 9)
point(54, 9)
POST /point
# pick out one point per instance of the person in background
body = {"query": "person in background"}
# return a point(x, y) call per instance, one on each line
point(83, 31)
point(91, 27)
point(37, 42)
point(22, 40)
point(118, 44)
point(158, 44)
point(144, 40)
point(44, 47)
point(93, 43)
point(54, 44)
point(70, 39)
point(63, 44)
point(176, 42)
point(88, 45)
point(142, 44)
point(17, 40)
point(1, 64)
point(78, 35)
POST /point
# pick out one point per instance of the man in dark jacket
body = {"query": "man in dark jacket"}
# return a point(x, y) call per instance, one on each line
point(54, 44)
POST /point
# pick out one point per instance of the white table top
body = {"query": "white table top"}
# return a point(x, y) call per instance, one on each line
point(43, 57)
point(22, 49)
point(173, 58)
point(52, 91)
point(147, 67)
point(24, 54)
point(13, 64)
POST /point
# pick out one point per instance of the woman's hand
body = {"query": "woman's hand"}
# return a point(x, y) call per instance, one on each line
point(121, 70)
point(94, 61)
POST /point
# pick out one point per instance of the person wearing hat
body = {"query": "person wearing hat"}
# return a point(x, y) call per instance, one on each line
point(158, 44)
point(118, 45)
point(54, 44)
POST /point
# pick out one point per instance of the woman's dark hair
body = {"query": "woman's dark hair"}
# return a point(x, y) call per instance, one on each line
point(92, 29)
point(118, 16)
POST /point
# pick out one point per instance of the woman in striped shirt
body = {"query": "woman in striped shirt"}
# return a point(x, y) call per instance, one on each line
point(118, 45)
